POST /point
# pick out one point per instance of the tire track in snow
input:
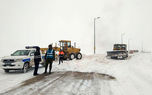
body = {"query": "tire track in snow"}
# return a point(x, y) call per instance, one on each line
point(69, 83)
point(29, 89)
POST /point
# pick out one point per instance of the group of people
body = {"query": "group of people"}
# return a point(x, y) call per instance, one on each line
point(49, 58)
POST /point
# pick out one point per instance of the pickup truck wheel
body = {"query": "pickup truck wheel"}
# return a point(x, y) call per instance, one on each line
point(6, 70)
point(25, 68)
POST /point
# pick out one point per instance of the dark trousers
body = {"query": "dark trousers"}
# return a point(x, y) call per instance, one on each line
point(36, 67)
point(48, 61)
point(60, 59)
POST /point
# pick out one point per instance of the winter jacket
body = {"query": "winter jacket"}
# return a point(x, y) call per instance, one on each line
point(50, 54)
point(37, 56)
point(61, 53)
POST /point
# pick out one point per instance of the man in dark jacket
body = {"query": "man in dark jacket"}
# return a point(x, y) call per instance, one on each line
point(49, 57)
point(37, 59)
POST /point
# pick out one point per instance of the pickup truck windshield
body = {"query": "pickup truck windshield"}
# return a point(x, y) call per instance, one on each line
point(21, 53)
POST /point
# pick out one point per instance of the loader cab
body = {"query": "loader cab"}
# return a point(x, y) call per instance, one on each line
point(65, 44)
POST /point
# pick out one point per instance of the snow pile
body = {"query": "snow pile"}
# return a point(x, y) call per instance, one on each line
point(92, 63)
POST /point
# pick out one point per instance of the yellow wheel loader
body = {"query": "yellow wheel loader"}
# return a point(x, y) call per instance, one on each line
point(70, 52)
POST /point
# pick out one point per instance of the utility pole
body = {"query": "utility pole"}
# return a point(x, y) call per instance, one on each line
point(95, 34)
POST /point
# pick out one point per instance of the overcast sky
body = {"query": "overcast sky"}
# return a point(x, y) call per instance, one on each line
point(41, 22)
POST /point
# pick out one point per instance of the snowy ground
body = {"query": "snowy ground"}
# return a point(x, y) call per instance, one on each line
point(93, 75)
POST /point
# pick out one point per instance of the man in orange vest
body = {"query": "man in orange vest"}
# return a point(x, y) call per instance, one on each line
point(61, 56)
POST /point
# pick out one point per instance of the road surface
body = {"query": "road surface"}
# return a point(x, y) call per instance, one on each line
point(65, 83)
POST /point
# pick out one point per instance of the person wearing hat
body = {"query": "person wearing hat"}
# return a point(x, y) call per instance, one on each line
point(37, 59)
point(49, 57)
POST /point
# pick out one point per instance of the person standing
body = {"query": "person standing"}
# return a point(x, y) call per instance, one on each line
point(37, 59)
point(61, 56)
point(49, 57)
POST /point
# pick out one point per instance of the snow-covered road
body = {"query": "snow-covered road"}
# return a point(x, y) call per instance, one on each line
point(65, 83)
point(93, 75)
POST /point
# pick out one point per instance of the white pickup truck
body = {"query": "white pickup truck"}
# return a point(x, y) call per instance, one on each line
point(20, 60)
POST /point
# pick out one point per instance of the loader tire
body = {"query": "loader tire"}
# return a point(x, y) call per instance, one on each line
point(79, 56)
point(72, 56)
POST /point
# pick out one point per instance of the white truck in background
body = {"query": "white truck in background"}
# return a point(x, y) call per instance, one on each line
point(20, 60)
point(119, 52)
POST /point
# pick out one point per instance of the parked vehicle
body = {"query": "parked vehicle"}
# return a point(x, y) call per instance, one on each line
point(20, 60)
